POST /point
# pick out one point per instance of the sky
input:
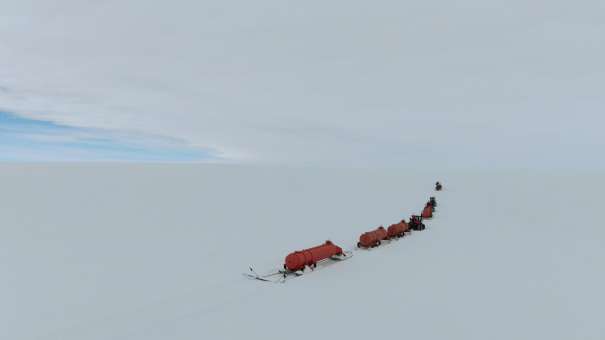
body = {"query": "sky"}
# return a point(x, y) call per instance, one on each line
point(29, 140)
point(464, 83)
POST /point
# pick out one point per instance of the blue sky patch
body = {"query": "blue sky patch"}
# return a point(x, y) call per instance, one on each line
point(30, 140)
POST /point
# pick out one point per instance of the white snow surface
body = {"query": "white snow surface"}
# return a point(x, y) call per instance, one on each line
point(157, 252)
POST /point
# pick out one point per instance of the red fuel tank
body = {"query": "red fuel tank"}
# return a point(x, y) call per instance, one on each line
point(372, 238)
point(406, 226)
point(397, 229)
point(427, 212)
point(309, 257)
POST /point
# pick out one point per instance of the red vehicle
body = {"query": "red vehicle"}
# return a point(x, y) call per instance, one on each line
point(416, 223)
point(372, 238)
point(298, 260)
point(433, 202)
point(397, 230)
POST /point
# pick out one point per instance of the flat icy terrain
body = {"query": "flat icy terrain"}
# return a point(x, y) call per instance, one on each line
point(129, 252)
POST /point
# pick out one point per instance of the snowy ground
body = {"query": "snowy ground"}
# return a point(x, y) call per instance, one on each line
point(102, 252)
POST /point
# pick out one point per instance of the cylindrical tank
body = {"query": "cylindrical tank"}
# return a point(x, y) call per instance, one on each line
point(397, 229)
point(372, 238)
point(427, 212)
point(406, 226)
point(299, 259)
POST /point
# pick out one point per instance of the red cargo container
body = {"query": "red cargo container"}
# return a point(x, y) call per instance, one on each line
point(309, 257)
point(372, 238)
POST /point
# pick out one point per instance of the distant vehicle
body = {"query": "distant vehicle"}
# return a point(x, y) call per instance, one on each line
point(416, 223)
point(433, 202)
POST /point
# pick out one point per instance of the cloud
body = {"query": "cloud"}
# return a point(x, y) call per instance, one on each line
point(345, 82)
point(23, 139)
